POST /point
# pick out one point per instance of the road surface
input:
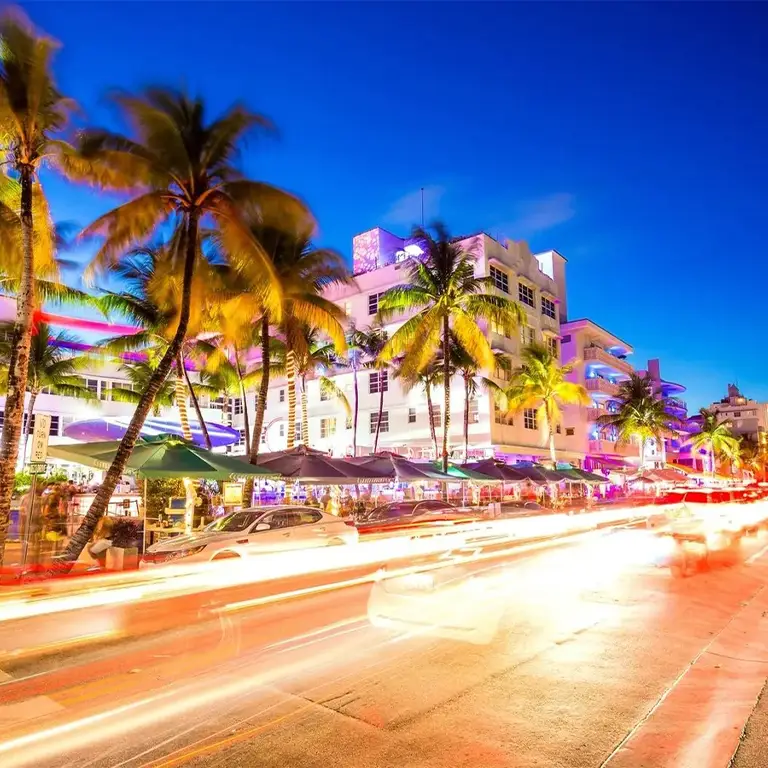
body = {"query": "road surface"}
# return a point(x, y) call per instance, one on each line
point(554, 656)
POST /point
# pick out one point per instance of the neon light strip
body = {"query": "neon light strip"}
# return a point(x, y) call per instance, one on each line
point(86, 325)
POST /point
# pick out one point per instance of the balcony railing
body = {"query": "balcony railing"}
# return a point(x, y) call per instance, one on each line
point(608, 447)
point(599, 355)
point(602, 385)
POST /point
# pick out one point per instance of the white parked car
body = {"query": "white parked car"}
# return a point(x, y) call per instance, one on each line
point(253, 531)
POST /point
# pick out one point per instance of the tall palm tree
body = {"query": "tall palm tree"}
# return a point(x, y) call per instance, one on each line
point(448, 300)
point(754, 456)
point(139, 373)
point(646, 419)
point(472, 376)
point(318, 358)
point(303, 272)
point(368, 344)
point(32, 110)
point(179, 166)
point(427, 378)
point(541, 382)
point(52, 367)
point(716, 437)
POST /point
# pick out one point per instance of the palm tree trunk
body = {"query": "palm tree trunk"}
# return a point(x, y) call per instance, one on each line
point(18, 365)
point(246, 421)
point(551, 428)
point(378, 420)
point(115, 471)
point(290, 373)
point(261, 404)
point(466, 418)
point(180, 392)
point(304, 413)
point(642, 453)
point(433, 431)
point(356, 411)
point(446, 389)
point(196, 406)
point(28, 430)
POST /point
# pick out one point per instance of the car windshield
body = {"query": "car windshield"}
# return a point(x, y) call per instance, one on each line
point(238, 521)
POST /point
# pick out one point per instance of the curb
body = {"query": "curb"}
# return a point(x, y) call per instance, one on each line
point(698, 722)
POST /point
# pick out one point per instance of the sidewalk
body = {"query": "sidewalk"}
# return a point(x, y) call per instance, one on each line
point(699, 721)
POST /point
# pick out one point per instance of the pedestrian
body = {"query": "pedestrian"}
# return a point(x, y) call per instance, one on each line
point(325, 500)
point(102, 540)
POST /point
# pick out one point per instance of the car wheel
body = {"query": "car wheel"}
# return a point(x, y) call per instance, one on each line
point(226, 556)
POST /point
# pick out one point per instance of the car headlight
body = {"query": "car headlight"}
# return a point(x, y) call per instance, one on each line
point(188, 552)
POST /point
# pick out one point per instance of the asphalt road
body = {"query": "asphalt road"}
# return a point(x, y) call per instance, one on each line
point(549, 658)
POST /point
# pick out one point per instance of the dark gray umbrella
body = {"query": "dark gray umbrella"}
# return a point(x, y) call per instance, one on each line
point(496, 470)
point(405, 471)
point(311, 467)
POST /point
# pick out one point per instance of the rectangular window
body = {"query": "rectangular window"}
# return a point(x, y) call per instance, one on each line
point(323, 394)
point(526, 294)
point(282, 430)
point(497, 329)
point(411, 415)
point(281, 396)
point(500, 417)
point(373, 302)
point(474, 413)
point(347, 308)
point(547, 307)
point(297, 431)
point(348, 423)
point(92, 385)
point(104, 390)
point(327, 427)
point(566, 339)
point(437, 416)
point(529, 418)
point(559, 430)
point(55, 425)
point(501, 373)
point(237, 406)
point(527, 335)
point(570, 431)
point(500, 279)
point(378, 381)
point(384, 421)
point(552, 346)
point(263, 436)
point(737, 414)
point(531, 335)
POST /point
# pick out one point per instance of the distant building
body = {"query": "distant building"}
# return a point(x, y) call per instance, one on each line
point(746, 418)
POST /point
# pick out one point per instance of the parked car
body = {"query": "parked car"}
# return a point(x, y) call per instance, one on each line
point(413, 514)
point(252, 531)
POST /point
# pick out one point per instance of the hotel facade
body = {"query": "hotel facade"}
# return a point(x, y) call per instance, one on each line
point(380, 261)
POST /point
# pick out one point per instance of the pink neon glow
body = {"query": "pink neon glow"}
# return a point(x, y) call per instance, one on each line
point(85, 325)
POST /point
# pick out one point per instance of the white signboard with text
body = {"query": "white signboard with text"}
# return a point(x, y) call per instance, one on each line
point(40, 438)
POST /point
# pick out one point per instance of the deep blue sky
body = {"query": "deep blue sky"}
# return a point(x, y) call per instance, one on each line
point(631, 138)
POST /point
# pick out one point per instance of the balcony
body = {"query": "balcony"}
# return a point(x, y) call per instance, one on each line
point(602, 386)
point(609, 448)
point(593, 414)
point(549, 324)
point(599, 355)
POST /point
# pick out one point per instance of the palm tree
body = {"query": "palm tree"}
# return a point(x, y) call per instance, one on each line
point(302, 272)
point(754, 456)
point(52, 367)
point(466, 366)
point(541, 382)
point(31, 111)
point(139, 373)
point(449, 300)
point(318, 357)
point(428, 378)
point(368, 344)
point(716, 437)
point(180, 167)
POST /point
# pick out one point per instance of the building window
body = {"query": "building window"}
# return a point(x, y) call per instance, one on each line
point(237, 406)
point(501, 373)
point(324, 394)
point(264, 436)
point(737, 414)
point(282, 396)
point(92, 385)
point(282, 430)
point(105, 390)
point(437, 416)
point(384, 421)
point(527, 335)
point(297, 431)
point(347, 308)
point(500, 417)
point(327, 428)
point(500, 279)
point(218, 403)
point(570, 431)
point(474, 413)
point(552, 346)
point(526, 294)
point(348, 423)
point(497, 329)
point(55, 425)
point(411, 415)
point(378, 381)
point(373, 302)
point(547, 307)
point(558, 429)
point(529, 418)
point(566, 339)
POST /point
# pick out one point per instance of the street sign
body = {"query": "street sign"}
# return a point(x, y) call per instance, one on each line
point(40, 438)
point(37, 468)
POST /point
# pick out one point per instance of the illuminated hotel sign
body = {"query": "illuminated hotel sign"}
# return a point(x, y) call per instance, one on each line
point(410, 251)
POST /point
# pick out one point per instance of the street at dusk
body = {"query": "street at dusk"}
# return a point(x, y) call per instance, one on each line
point(383, 385)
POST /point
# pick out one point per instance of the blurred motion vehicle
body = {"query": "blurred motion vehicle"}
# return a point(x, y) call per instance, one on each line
point(252, 531)
point(705, 525)
point(441, 595)
point(408, 516)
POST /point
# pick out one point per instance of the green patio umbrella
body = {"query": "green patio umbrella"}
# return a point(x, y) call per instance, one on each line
point(158, 457)
point(465, 473)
